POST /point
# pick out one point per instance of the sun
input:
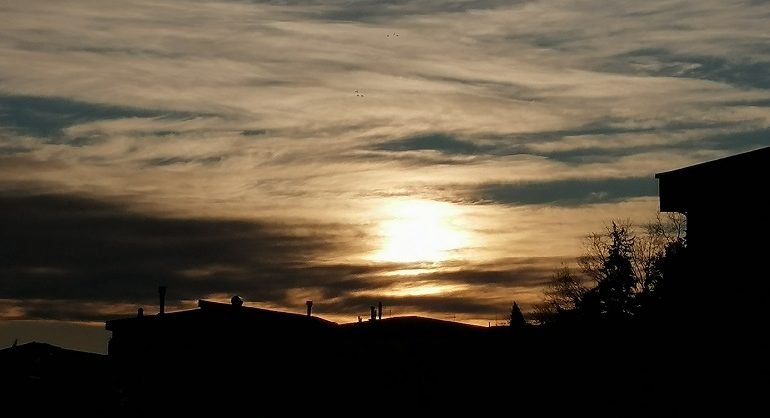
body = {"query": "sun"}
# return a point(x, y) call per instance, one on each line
point(419, 231)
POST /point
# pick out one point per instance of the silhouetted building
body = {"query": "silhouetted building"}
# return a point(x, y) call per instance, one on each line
point(212, 352)
point(213, 325)
point(726, 205)
point(37, 375)
point(235, 330)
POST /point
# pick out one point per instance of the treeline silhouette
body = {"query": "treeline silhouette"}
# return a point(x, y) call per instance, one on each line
point(626, 274)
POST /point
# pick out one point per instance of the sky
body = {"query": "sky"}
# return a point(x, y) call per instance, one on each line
point(443, 157)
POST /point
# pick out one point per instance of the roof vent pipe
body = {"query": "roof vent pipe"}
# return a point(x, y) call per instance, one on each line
point(162, 295)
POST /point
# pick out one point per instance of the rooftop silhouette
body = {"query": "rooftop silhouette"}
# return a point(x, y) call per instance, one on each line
point(40, 376)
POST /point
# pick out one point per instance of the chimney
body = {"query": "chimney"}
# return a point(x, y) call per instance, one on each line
point(379, 310)
point(309, 307)
point(162, 294)
point(374, 313)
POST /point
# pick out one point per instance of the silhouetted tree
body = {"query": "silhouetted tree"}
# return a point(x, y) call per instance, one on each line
point(517, 318)
point(665, 260)
point(666, 279)
point(561, 296)
point(609, 263)
point(633, 273)
point(653, 247)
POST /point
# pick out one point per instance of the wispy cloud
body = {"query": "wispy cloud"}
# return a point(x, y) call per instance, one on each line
point(48, 117)
point(196, 126)
point(78, 258)
point(571, 192)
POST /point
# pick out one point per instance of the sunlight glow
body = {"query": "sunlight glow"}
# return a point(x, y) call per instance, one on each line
point(415, 288)
point(424, 289)
point(409, 272)
point(420, 230)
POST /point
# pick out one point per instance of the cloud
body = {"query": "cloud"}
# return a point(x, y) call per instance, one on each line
point(12, 150)
point(226, 135)
point(47, 117)
point(436, 142)
point(600, 141)
point(385, 10)
point(751, 103)
point(83, 259)
point(73, 247)
point(743, 72)
point(574, 192)
point(739, 141)
point(178, 160)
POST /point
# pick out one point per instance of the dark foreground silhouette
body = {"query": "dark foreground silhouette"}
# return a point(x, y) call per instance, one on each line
point(244, 357)
point(41, 377)
point(703, 349)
